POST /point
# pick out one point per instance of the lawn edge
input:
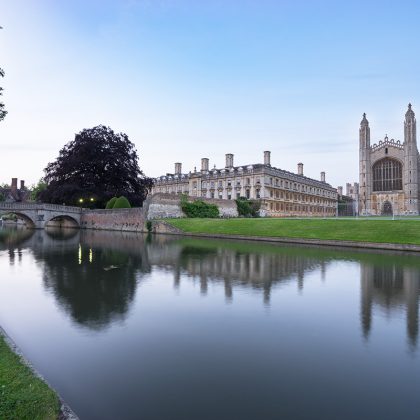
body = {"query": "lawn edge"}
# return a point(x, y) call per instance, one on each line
point(168, 228)
point(65, 412)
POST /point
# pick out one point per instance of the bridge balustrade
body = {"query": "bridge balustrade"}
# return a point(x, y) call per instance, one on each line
point(39, 206)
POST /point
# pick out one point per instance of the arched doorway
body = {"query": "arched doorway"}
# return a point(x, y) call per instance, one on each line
point(387, 209)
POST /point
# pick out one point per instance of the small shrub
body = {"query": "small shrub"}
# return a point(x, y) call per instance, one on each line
point(149, 226)
point(248, 208)
point(199, 208)
point(122, 203)
point(110, 204)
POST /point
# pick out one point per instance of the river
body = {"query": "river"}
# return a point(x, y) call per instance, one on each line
point(126, 326)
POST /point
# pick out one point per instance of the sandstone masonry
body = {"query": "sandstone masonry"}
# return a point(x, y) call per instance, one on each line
point(281, 193)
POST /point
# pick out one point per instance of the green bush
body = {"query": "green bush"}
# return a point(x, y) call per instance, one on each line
point(110, 204)
point(247, 208)
point(149, 226)
point(199, 208)
point(122, 203)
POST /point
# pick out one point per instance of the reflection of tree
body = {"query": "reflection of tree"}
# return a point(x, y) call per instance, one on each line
point(92, 275)
point(84, 283)
point(390, 286)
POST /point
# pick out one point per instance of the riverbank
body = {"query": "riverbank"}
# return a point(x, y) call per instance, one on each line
point(365, 233)
point(23, 392)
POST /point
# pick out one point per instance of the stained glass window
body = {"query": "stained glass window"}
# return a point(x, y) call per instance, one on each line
point(387, 175)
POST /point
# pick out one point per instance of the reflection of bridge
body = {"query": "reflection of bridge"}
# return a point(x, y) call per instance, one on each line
point(40, 215)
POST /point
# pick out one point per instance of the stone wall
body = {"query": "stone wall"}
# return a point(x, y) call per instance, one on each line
point(163, 206)
point(227, 208)
point(157, 206)
point(132, 220)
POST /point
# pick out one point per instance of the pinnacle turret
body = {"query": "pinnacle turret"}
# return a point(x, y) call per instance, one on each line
point(409, 115)
point(364, 121)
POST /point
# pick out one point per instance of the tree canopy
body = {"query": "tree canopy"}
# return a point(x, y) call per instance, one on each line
point(97, 165)
point(37, 189)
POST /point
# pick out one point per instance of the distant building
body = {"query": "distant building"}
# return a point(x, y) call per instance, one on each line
point(389, 171)
point(281, 193)
point(348, 203)
point(13, 193)
point(352, 190)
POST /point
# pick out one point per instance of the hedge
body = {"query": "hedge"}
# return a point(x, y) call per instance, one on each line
point(199, 208)
point(110, 203)
point(122, 203)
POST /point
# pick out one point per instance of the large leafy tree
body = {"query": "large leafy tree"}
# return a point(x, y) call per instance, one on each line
point(37, 189)
point(3, 112)
point(97, 165)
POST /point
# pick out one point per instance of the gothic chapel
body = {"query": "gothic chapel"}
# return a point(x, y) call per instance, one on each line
point(389, 172)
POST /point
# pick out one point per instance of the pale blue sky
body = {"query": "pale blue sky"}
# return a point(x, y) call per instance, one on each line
point(193, 79)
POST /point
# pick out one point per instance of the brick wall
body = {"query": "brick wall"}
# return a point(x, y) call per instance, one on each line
point(132, 220)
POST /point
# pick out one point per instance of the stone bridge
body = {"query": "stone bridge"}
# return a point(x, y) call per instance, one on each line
point(41, 215)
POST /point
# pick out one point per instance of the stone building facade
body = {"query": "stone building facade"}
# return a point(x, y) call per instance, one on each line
point(352, 191)
point(389, 171)
point(281, 193)
point(13, 193)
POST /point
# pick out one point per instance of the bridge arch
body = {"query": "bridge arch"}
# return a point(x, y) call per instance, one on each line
point(29, 222)
point(38, 215)
point(62, 221)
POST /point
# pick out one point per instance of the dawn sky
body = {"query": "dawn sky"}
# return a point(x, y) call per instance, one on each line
point(193, 79)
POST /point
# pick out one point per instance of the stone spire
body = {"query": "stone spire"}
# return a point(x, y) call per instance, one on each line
point(364, 122)
point(409, 114)
point(410, 126)
point(365, 175)
point(364, 133)
point(411, 167)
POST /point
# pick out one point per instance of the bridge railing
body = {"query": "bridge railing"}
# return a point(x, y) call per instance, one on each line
point(39, 206)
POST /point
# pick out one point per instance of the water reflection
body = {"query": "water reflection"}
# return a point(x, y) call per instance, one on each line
point(390, 287)
point(94, 275)
point(234, 265)
point(14, 237)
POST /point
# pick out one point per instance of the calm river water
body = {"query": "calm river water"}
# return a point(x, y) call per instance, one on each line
point(130, 327)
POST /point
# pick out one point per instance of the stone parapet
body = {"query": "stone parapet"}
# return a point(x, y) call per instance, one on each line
point(132, 220)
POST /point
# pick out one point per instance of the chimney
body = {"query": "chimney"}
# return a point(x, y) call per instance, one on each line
point(322, 176)
point(300, 168)
point(178, 168)
point(14, 184)
point(340, 190)
point(22, 184)
point(204, 165)
point(229, 160)
point(267, 158)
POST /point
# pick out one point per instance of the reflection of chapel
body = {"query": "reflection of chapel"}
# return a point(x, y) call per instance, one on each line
point(394, 289)
point(389, 171)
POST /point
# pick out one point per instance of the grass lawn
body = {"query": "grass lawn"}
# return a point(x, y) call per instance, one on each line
point(364, 230)
point(22, 395)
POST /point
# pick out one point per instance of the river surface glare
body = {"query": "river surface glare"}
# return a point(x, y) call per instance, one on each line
point(126, 326)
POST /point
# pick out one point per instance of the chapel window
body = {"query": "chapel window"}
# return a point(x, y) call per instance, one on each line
point(387, 175)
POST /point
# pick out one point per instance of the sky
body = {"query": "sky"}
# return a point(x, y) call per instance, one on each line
point(191, 79)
